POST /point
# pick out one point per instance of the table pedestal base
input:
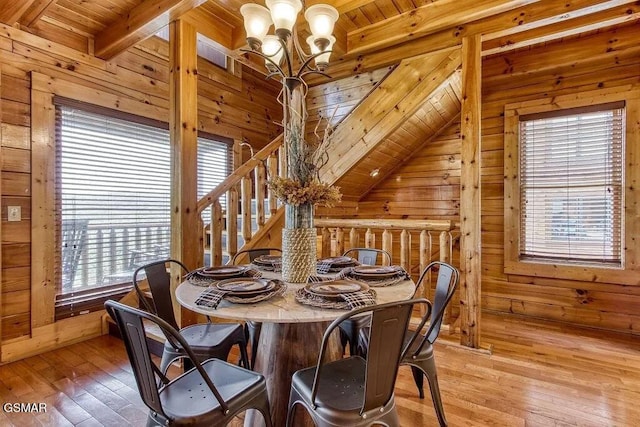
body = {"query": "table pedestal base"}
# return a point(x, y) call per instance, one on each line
point(285, 348)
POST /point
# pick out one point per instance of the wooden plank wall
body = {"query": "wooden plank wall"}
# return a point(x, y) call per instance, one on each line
point(428, 185)
point(238, 105)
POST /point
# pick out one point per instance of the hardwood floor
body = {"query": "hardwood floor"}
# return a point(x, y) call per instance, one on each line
point(539, 374)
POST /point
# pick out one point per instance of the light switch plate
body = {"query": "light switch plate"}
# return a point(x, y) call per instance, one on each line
point(14, 213)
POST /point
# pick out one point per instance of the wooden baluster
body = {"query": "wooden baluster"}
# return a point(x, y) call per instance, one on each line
point(259, 193)
point(232, 222)
point(445, 247)
point(339, 241)
point(326, 242)
point(387, 244)
point(354, 238)
point(206, 241)
point(425, 257)
point(216, 233)
point(272, 166)
point(245, 202)
point(405, 250)
point(369, 239)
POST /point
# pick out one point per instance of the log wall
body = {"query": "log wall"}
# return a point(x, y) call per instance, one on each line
point(238, 105)
point(428, 185)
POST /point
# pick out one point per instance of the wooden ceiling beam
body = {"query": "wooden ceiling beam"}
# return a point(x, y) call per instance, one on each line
point(12, 11)
point(573, 25)
point(211, 27)
point(35, 12)
point(141, 22)
point(541, 14)
point(425, 20)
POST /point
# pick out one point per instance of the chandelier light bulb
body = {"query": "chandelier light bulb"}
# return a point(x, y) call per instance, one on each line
point(322, 60)
point(321, 19)
point(284, 14)
point(257, 20)
point(272, 48)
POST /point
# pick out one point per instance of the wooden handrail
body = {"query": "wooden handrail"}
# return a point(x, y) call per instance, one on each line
point(238, 174)
point(406, 224)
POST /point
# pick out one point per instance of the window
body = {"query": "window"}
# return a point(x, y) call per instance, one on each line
point(114, 194)
point(571, 185)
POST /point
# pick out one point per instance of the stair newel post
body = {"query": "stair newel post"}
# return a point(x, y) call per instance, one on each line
point(387, 244)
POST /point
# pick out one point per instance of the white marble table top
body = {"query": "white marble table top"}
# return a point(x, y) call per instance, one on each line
point(282, 309)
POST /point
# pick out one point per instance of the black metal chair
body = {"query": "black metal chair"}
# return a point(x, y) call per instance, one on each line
point(349, 328)
point(210, 394)
point(206, 340)
point(253, 253)
point(355, 391)
point(253, 329)
point(369, 256)
point(420, 351)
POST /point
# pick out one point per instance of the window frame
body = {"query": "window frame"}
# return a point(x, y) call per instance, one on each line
point(71, 303)
point(627, 273)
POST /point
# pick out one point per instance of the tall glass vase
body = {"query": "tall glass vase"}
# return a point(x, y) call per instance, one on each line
point(298, 243)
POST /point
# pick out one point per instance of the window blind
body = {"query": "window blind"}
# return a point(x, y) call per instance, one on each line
point(571, 185)
point(113, 195)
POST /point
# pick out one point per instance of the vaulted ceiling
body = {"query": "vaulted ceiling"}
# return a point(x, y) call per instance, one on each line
point(373, 37)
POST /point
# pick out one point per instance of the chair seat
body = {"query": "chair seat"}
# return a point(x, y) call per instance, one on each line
point(333, 391)
point(203, 336)
point(231, 381)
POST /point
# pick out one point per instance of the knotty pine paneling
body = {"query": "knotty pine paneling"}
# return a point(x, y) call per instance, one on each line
point(241, 106)
point(418, 189)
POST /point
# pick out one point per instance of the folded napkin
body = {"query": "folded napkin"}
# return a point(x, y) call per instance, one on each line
point(359, 299)
point(323, 267)
point(210, 298)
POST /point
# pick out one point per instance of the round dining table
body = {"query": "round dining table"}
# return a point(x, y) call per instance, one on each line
point(290, 338)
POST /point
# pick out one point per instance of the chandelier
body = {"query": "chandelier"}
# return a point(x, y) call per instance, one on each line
point(278, 50)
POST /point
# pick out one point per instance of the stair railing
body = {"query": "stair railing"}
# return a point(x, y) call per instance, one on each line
point(245, 188)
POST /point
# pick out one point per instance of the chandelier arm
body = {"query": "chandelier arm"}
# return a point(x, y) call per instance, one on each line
point(296, 43)
point(308, 61)
point(287, 57)
point(279, 71)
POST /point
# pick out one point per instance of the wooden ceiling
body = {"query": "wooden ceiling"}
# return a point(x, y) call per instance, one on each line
point(370, 33)
point(373, 36)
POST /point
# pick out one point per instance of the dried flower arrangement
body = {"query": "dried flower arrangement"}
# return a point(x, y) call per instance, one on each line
point(304, 161)
point(293, 192)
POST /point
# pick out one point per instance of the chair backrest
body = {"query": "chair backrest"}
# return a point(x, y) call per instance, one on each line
point(253, 253)
point(369, 256)
point(148, 376)
point(446, 284)
point(389, 323)
point(159, 278)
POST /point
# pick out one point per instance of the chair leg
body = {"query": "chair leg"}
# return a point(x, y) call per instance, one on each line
point(244, 357)
point(264, 409)
point(432, 377)
point(254, 329)
point(418, 377)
